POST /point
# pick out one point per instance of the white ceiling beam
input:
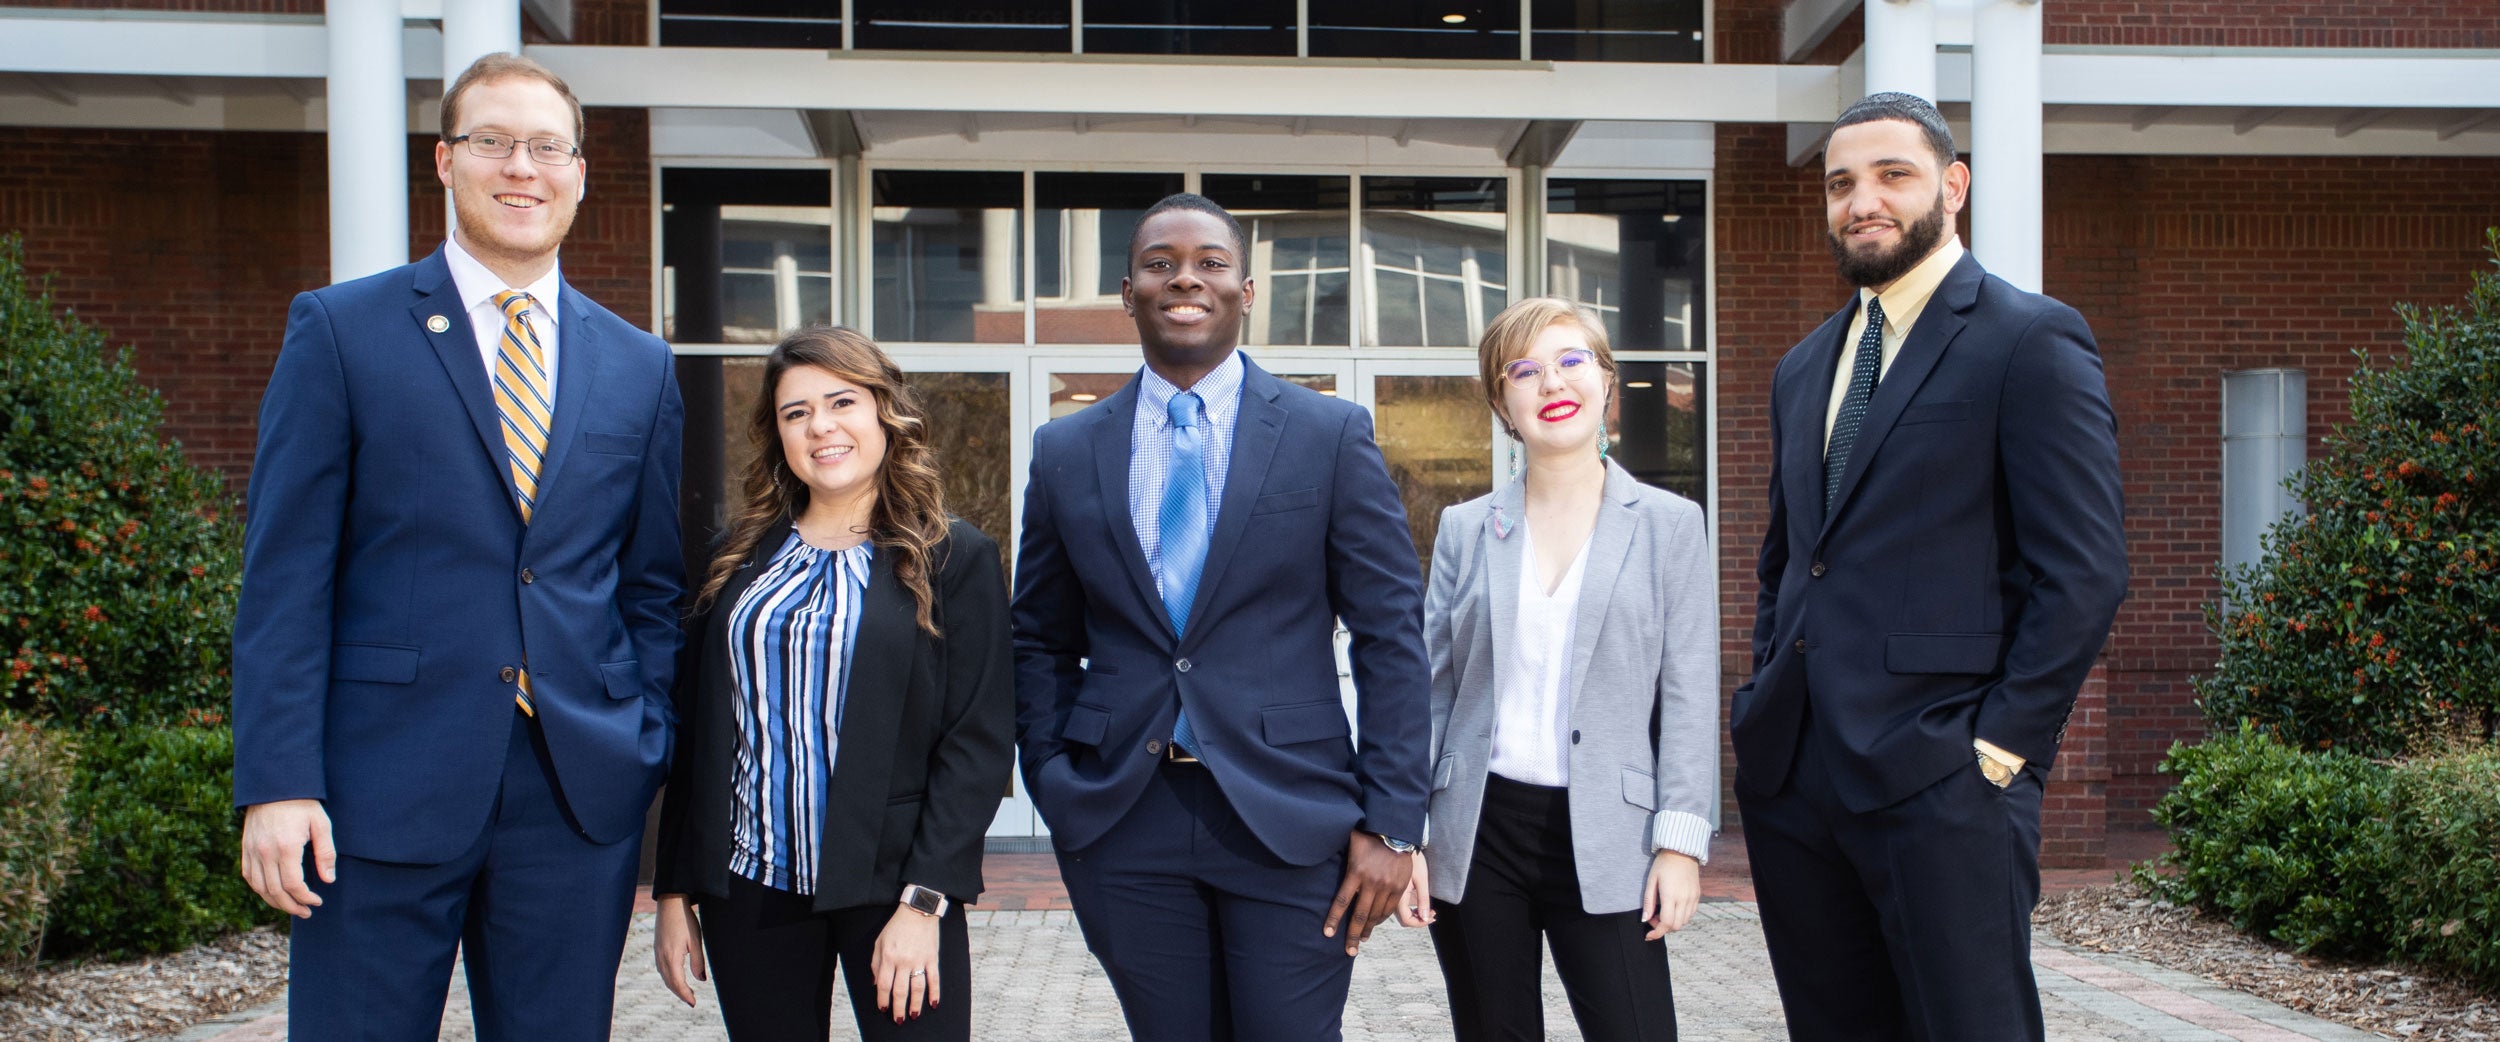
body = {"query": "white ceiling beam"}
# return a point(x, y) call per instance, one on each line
point(173, 89)
point(2251, 119)
point(113, 44)
point(708, 77)
point(2151, 114)
point(2360, 121)
point(2269, 78)
point(47, 88)
point(1805, 24)
point(2468, 122)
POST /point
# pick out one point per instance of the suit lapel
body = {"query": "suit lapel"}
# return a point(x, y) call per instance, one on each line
point(577, 369)
point(1256, 430)
point(872, 702)
point(1504, 559)
point(1609, 545)
point(1114, 431)
point(1806, 401)
point(1937, 326)
point(455, 345)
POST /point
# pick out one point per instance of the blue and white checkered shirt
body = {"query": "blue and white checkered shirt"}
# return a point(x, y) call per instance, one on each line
point(1150, 448)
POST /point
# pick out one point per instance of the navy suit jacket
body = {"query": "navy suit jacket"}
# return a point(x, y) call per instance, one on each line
point(389, 582)
point(1311, 530)
point(1967, 574)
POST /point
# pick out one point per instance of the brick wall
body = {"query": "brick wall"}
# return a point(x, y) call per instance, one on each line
point(2284, 23)
point(187, 245)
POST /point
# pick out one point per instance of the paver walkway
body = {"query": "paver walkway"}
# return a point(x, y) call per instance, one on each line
point(1035, 982)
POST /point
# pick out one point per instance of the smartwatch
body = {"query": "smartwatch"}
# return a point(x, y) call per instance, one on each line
point(923, 900)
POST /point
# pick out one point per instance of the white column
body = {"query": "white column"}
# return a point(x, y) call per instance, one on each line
point(473, 29)
point(2005, 139)
point(1901, 47)
point(998, 257)
point(1083, 242)
point(368, 129)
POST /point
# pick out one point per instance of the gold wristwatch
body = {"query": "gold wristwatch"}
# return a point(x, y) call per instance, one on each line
point(1997, 773)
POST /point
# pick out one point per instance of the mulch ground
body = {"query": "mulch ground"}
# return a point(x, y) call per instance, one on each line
point(2394, 1001)
point(147, 998)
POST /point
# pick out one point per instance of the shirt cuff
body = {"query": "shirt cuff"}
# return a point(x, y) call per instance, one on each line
point(1994, 752)
point(1686, 834)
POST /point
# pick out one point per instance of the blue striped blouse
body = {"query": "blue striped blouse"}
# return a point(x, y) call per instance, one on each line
point(791, 672)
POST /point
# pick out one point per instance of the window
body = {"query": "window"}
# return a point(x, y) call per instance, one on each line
point(1435, 256)
point(1297, 228)
point(1616, 30)
point(947, 256)
point(750, 23)
point(1081, 229)
point(964, 25)
point(1636, 252)
point(746, 255)
point(1415, 29)
point(1241, 27)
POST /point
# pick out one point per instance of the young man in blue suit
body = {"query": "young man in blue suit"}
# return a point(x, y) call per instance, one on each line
point(1189, 543)
point(1944, 557)
point(458, 622)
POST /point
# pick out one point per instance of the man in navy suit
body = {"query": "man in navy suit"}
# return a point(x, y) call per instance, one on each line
point(458, 622)
point(1189, 543)
point(1943, 561)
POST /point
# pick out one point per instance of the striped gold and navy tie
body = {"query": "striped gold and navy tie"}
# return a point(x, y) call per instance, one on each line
point(528, 413)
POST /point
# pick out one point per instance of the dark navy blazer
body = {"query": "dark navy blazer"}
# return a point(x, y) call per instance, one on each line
point(389, 583)
point(1311, 530)
point(1968, 572)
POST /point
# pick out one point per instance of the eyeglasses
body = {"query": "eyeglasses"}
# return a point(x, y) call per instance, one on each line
point(1573, 364)
point(550, 151)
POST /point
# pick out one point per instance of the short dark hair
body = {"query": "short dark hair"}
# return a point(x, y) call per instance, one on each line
point(1907, 108)
point(503, 65)
point(1201, 204)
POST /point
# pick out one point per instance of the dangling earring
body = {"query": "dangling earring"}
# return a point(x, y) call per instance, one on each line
point(1517, 453)
point(1602, 446)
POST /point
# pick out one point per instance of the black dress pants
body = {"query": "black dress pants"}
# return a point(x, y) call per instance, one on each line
point(773, 958)
point(1522, 887)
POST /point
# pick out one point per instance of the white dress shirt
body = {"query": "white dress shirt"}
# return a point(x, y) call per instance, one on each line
point(1532, 696)
point(477, 288)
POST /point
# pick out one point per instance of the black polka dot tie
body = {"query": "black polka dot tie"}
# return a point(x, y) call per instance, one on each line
point(1863, 372)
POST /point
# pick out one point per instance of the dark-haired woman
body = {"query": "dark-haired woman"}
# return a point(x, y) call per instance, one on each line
point(846, 712)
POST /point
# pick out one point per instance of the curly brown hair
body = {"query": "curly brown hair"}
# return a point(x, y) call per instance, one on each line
point(909, 517)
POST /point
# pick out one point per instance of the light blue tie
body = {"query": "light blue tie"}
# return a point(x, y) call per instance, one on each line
point(1183, 522)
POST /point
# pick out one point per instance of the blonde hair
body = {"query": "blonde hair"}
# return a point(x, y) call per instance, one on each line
point(1509, 336)
point(909, 518)
point(505, 65)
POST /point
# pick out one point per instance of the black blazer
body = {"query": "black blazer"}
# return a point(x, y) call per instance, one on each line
point(925, 751)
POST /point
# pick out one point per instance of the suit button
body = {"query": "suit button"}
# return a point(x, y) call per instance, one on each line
point(1817, 569)
point(1575, 736)
point(509, 674)
point(1182, 665)
point(1154, 747)
point(1801, 647)
point(528, 577)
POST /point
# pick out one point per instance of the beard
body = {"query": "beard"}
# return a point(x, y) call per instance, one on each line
point(1877, 266)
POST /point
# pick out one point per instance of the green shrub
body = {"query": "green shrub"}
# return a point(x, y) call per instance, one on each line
point(2373, 623)
point(159, 873)
point(2446, 849)
point(2288, 844)
point(37, 846)
point(119, 560)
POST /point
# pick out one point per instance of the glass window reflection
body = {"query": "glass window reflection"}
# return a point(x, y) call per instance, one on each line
point(1298, 254)
point(963, 25)
point(750, 23)
point(1662, 436)
point(1616, 30)
point(1082, 223)
point(1243, 27)
point(1437, 438)
point(947, 256)
point(1414, 29)
point(746, 255)
point(1435, 256)
point(1635, 252)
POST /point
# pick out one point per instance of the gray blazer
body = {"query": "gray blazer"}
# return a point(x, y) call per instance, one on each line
point(1645, 647)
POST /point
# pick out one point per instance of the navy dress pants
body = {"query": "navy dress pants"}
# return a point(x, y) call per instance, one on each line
point(1206, 936)
point(537, 911)
point(1907, 922)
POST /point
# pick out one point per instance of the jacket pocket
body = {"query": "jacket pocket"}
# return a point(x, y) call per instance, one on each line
point(1086, 724)
point(612, 444)
point(1308, 722)
point(1973, 654)
point(624, 678)
point(1934, 412)
point(374, 663)
point(1640, 788)
point(1284, 501)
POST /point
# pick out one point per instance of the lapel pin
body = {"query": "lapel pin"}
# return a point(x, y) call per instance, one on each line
point(437, 324)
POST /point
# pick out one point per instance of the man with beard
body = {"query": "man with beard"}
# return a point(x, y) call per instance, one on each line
point(1943, 561)
point(458, 619)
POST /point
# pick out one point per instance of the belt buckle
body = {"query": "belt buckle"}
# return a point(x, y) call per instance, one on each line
point(1173, 753)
